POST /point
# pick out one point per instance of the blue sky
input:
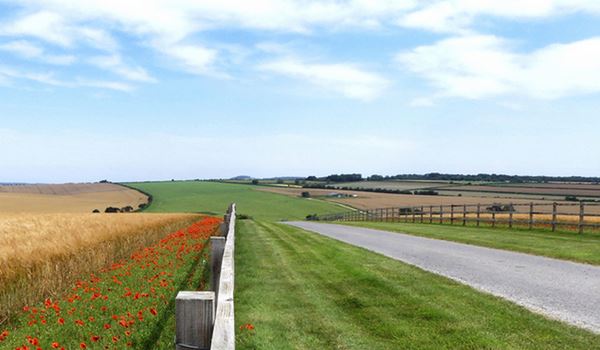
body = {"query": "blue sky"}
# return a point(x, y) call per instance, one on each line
point(138, 90)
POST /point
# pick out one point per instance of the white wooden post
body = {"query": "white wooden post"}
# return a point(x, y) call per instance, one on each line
point(194, 319)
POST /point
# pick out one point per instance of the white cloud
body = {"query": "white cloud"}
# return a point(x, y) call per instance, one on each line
point(114, 63)
point(193, 58)
point(22, 48)
point(458, 15)
point(28, 50)
point(343, 78)
point(48, 78)
point(480, 66)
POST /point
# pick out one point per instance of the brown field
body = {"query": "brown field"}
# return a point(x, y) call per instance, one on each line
point(393, 185)
point(67, 198)
point(42, 254)
point(583, 190)
point(371, 200)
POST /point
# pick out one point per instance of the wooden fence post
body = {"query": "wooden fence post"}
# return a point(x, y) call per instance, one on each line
point(194, 320)
point(464, 215)
point(217, 246)
point(553, 216)
point(441, 214)
point(412, 210)
point(422, 214)
point(478, 213)
point(581, 217)
point(510, 216)
point(494, 218)
point(451, 214)
point(530, 215)
point(431, 214)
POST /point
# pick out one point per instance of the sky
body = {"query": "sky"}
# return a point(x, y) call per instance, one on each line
point(171, 89)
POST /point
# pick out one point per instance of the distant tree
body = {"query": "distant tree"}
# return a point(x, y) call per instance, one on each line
point(172, 180)
point(280, 181)
point(95, 211)
point(344, 178)
point(103, 181)
point(112, 210)
point(571, 198)
point(255, 182)
point(375, 178)
point(311, 178)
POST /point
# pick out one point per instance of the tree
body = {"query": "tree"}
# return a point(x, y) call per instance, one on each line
point(255, 182)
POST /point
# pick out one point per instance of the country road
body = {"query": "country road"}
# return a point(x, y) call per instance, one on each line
point(559, 289)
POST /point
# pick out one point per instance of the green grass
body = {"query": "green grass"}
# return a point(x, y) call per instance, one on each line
point(304, 291)
point(561, 245)
point(213, 198)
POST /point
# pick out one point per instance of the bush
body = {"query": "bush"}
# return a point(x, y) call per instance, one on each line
point(243, 217)
point(305, 194)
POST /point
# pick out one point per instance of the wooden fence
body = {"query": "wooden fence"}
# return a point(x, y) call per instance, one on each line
point(205, 320)
point(568, 216)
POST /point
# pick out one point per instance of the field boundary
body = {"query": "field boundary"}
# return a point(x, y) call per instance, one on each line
point(538, 215)
point(205, 319)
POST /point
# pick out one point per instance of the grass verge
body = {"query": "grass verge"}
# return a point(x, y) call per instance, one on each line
point(299, 290)
point(572, 246)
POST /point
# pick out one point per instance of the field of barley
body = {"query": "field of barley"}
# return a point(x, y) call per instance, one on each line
point(42, 254)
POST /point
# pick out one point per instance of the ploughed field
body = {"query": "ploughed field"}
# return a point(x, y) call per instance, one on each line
point(42, 255)
point(68, 198)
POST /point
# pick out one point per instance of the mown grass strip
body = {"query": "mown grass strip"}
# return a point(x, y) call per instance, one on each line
point(583, 248)
point(299, 290)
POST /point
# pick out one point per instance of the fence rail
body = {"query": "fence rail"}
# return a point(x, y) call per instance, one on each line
point(570, 216)
point(205, 320)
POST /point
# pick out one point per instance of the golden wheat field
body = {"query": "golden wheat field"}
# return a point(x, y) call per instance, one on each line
point(41, 254)
point(67, 198)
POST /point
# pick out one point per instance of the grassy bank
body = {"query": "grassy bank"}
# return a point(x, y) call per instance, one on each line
point(213, 198)
point(299, 290)
point(561, 245)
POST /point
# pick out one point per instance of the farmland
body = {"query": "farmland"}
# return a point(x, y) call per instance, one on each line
point(213, 198)
point(371, 200)
point(67, 198)
point(128, 303)
point(42, 254)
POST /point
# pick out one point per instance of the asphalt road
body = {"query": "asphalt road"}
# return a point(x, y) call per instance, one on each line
point(556, 288)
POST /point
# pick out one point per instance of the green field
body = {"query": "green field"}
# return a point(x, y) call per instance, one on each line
point(303, 291)
point(561, 245)
point(214, 197)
